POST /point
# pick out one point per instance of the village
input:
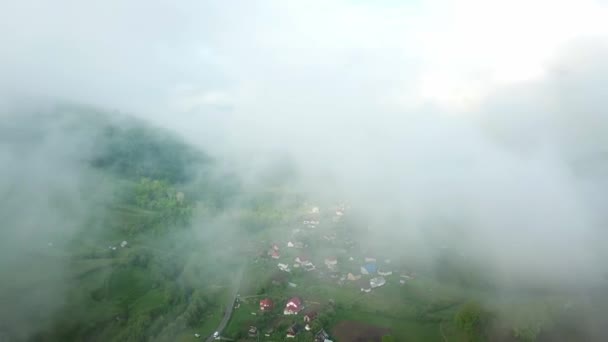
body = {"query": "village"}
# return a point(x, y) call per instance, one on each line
point(299, 278)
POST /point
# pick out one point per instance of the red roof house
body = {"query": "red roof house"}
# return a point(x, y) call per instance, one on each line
point(266, 304)
point(293, 306)
point(274, 254)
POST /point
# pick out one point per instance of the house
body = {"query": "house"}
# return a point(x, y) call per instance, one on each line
point(377, 282)
point(311, 222)
point(293, 306)
point(308, 317)
point(303, 260)
point(369, 268)
point(293, 330)
point(331, 262)
point(309, 267)
point(284, 267)
point(384, 272)
point(296, 244)
point(351, 276)
point(370, 259)
point(266, 304)
point(275, 246)
point(329, 237)
point(253, 331)
point(365, 285)
point(408, 276)
point(322, 336)
point(274, 254)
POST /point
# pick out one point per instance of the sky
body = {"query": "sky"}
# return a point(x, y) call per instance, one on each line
point(473, 110)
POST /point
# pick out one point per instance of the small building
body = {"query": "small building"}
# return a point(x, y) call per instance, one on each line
point(275, 246)
point(322, 336)
point(293, 306)
point(365, 285)
point(370, 259)
point(331, 262)
point(369, 268)
point(377, 282)
point(302, 260)
point(408, 276)
point(253, 331)
point(266, 304)
point(283, 267)
point(275, 254)
point(310, 316)
point(329, 237)
point(290, 244)
point(352, 277)
point(384, 272)
point(309, 267)
point(293, 330)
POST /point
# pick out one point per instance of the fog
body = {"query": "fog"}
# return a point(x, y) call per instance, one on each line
point(475, 125)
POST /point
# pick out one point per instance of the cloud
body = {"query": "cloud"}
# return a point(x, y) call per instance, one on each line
point(474, 110)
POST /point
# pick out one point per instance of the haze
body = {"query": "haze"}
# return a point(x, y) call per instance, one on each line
point(474, 125)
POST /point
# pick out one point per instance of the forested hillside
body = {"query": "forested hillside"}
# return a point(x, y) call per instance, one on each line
point(140, 260)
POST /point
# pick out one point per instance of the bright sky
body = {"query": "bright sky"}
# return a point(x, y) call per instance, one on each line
point(193, 53)
point(470, 45)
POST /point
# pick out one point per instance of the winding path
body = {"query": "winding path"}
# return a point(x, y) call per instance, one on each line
point(230, 305)
point(445, 339)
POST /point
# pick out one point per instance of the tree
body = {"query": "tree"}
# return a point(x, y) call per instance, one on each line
point(470, 318)
point(527, 333)
point(195, 310)
point(166, 205)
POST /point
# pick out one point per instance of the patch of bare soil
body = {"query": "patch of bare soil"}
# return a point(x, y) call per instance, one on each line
point(359, 332)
